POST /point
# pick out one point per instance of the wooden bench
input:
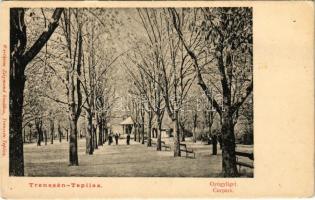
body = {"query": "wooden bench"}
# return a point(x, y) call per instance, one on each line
point(153, 143)
point(183, 147)
point(165, 145)
point(247, 155)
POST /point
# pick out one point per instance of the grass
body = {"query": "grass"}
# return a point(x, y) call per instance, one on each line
point(135, 160)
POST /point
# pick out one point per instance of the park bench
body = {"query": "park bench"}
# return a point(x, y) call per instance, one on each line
point(166, 146)
point(246, 155)
point(183, 147)
point(153, 143)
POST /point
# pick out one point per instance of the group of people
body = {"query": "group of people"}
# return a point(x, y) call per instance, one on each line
point(116, 136)
point(111, 136)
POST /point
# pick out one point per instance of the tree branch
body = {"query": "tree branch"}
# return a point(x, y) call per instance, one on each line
point(236, 106)
point(44, 37)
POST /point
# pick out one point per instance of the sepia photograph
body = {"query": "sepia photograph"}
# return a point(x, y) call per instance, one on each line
point(131, 92)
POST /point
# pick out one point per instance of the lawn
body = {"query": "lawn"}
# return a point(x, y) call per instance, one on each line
point(135, 160)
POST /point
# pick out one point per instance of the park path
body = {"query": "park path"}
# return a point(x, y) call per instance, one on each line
point(135, 160)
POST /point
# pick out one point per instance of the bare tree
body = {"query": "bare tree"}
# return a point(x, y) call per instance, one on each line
point(19, 59)
point(39, 126)
point(169, 59)
point(71, 29)
point(227, 35)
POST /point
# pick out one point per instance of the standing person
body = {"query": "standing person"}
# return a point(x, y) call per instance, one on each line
point(214, 144)
point(116, 138)
point(38, 138)
point(128, 139)
point(110, 139)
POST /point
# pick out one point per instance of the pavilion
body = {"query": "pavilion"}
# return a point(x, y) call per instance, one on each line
point(127, 124)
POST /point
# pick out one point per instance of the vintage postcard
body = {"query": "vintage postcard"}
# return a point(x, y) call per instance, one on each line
point(157, 99)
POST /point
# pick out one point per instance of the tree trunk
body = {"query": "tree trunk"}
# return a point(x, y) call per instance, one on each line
point(194, 128)
point(38, 138)
point(73, 83)
point(38, 125)
point(229, 168)
point(60, 136)
point(159, 134)
point(89, 135)
point(106, 135)
point(88, 145)
point(92, 138)
point(210, 122)
point(103, 134)
point(100, 133)
point(52, 131)
point(73, 144)
point(135, 132)
point(139, 133)
point(95, 137)
point(214, 144)
point(45, 135)
point(30, 136)
point(142, 132)
point(67, 131)
point(182, 132)
point(41, 134)
point(59, 133)
point(176, 136)
point(149, 130)
point(103, 130)
point(194, 135)
point(17, 82)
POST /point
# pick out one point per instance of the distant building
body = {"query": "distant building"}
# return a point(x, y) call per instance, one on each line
point(127, 125)
point(114, 125)
point(167, 125)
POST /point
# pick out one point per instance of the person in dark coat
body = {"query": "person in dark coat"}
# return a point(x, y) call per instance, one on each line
point(110, 139)
point(38, 139)
point(214, 144)
point(116, 138)
point(128, 139)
